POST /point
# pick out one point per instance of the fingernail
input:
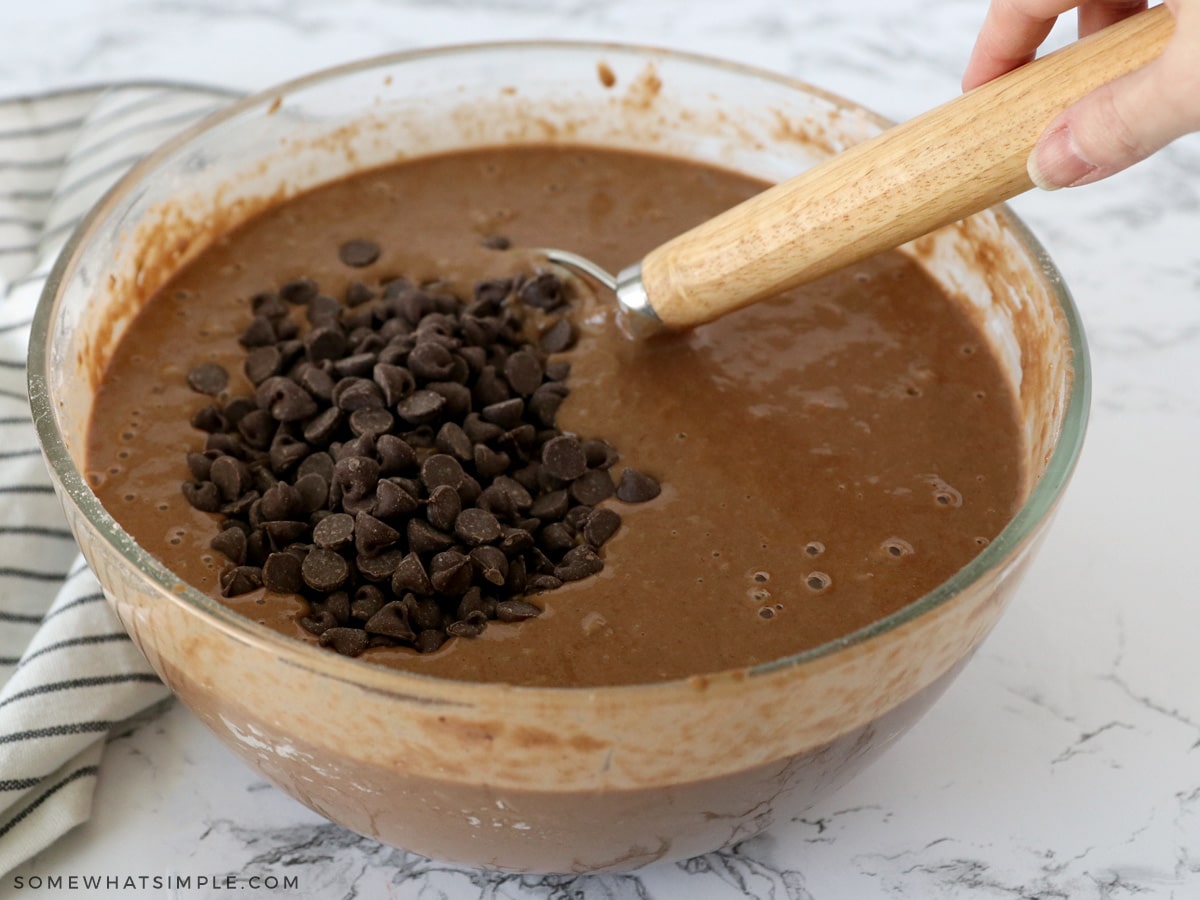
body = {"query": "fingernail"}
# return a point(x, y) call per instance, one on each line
point(1055, 161)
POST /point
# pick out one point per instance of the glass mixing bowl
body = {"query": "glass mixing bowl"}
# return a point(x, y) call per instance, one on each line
point(522, 778)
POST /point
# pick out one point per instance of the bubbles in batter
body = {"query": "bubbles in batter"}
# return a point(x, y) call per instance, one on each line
point(897, 547)
point(944, 494)
point(818, 581)
point(814, 548)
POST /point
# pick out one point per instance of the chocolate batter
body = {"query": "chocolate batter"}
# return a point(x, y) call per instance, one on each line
point(827, 456)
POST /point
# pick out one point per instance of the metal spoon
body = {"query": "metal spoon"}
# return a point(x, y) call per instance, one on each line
point(941, 166)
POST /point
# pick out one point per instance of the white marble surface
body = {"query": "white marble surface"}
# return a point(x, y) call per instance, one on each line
point(1064, 763)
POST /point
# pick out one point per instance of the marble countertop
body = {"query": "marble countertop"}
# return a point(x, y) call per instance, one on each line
point(1063, 763)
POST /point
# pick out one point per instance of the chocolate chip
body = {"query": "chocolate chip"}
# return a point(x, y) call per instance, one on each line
point(316, 381)
point(576, 517)
point(524, 372)
point(516, 611)
point(280, 501)
point(600, 454)
point(238, 580)
point(490, 388)
point(283, 532)
point(353, 393)
point(208, 378)
point(392, 621)
point(372, 535)
point(285, 452)
point(551, 506)
point(360, 363)
point(451, 572)
point(430, 640)
point(453, 440)
point(479, 431)
point(259, 333)
point(324, 570)
point(396, 382)
point(471, 626)
point(210, 419)
point(545, 291)
point(358, 293)
point(430, 361)
point(490, 564)
point(442, 468)
point(443, 507)
point(321, 429)
point(488, 462)
point(424, 538)
point(563, 457)
point(324, 342)
point(346, 641)
point(558, 337)
point(425, 613)
point(281, 574)
point(545, 402)
point(367, 601)
point(203, 495)
point(230, 476)
point(358, 253)
point(284, 399)
point(410, 576)
point(421, 407)
point(263, 362)
point(232, 543)
point(507, 413)
point(542, 582)
point(334, 532)
point(299, 291)
point(392, 501)
point(592, 487)
point(515, 540)
point(374, 421)
point(457, 396)
point(637, 487)
point(319, 622)
point(476, 526)
point(578, 563)
point(313, 492)
point(600, 525)
point(395, 454)
point(356, 476)
point(556, 539)
point(381, 566)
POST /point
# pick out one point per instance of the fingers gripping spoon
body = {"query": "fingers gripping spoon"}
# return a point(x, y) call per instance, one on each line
point(941, 166)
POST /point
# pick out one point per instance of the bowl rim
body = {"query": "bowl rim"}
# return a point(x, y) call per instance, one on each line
point(72, 485)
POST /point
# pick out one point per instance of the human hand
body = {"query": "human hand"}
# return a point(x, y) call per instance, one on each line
point(1118, 124)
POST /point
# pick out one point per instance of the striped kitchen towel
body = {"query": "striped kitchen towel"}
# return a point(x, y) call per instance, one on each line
point(68, 673)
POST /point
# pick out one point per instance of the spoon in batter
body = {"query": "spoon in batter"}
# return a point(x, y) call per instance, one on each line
point(937, 168)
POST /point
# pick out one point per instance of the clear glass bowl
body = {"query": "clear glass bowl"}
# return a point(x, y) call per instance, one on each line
point(536, 779)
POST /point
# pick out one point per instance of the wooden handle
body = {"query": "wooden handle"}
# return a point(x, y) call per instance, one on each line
point(946, 164)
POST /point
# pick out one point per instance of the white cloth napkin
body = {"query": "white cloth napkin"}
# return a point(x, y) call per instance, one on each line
point(68, 673)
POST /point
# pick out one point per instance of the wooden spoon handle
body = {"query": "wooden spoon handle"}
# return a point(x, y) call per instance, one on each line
point(948, 163)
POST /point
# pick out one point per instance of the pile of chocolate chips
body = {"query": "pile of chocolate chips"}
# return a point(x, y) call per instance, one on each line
point(399, 464)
